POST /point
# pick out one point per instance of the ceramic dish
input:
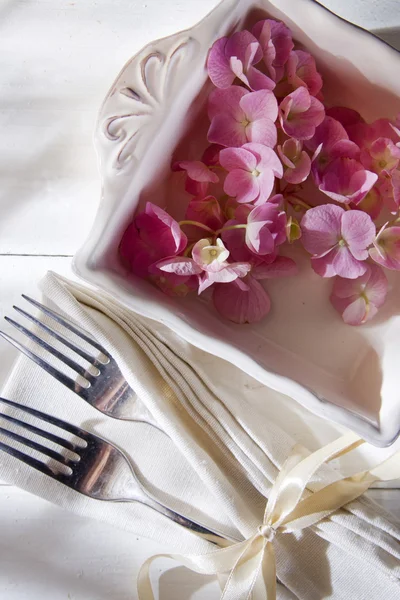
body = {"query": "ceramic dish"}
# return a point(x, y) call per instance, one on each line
point(302, 349)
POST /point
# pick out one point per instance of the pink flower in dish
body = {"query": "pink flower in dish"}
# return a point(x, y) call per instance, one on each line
point(153, 235)
point(205, 210)
point(239, 116)
point(346, 180)
point(330, 141)
point(199, 176)
point(382, 155)
point(372, 203)
point(251, 172)
point(296, 161)
point(338, 240)
point(300, 114)
point(171, 283)
point(260, 230)
point(358, 300)
point(276, 43)
point(386, 250)
point(211, 259)
point(389, 188)
point(242, 301)
point(234, 57)
point(302, 71)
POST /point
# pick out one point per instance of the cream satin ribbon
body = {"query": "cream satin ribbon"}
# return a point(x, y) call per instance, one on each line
point(290, 507)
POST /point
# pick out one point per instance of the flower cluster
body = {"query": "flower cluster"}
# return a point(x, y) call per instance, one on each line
point(272, 146)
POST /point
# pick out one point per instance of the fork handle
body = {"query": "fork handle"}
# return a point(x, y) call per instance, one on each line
point(211, 535)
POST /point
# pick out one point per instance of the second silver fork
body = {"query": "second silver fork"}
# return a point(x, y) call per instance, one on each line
point(100, 382)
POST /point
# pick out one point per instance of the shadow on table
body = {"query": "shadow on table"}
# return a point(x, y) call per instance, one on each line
point(391, 35)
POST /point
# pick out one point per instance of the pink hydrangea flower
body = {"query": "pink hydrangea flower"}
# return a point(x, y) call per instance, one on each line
point(382, 155)
point(302, 71)
point(207, 211)
point(260, 229)
point(330, 141)
point(386, 250)
point(346, 180)
point(338, 240)
point(153, 235)
point(389, 188)
point(234, 57)
point(251, 172)
point(242, 301)
point(276, 43)
point(239, 116)
point(300, 113)
point(199, 176)
point(296, 161)
point(173, 284)
point(245, 300)
point(209, 263)
point(358, 300)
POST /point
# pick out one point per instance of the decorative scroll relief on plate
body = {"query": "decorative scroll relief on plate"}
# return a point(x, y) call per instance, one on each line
point(155, 78)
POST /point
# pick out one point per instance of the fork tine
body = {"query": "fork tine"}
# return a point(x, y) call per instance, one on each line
point(35, 445)
point(61, 377)
point(65, 359)
point(49, 436)
point(90, 358)
point(29, 460)
point(66, 323)
point(77, 431)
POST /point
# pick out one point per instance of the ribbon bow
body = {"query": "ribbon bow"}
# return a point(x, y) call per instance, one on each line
point(290, 507)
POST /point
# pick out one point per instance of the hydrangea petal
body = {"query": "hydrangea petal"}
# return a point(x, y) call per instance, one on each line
point(237, 158)
point(260, 105)
point(241, 185)
point(359, 232)
point(321, 228)
point(242, 306)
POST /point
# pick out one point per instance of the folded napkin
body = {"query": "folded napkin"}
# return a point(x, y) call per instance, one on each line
point(224, 449)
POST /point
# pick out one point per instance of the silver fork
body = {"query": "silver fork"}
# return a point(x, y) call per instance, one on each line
point(101, 383)
point(99, 469)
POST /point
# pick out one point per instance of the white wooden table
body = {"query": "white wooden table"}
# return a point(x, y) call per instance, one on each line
point(57, 60)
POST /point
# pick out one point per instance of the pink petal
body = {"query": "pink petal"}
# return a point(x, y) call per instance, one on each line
point(356, 312)
point(224, 130)
point(346, 181)
point(262, 131)
point(301, 170)
point(323, 266)
point(227, 101)
point(321, 228)
point(266, 181)
point(281, 267)
point(211, 155)
point(259, 105)
point(259, 238)
point(377, 287)
point(359, 232)
point(226, 275)
point(242, 306)
point(328, 133)
point(266, 158)
point(351, 288)
point(244, 46)
point(241, 185)
point(302, 71)
point(218, 65)
point(345, 265)
point(196, 170)
point(387, 248)
point(205, 210)
point(179, 265)
point(237, 158)
point(259, 81)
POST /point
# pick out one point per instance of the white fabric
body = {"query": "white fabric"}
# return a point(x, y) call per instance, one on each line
point(222, 455)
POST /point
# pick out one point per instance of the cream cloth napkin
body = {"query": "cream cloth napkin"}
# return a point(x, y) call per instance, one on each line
point(218, 463)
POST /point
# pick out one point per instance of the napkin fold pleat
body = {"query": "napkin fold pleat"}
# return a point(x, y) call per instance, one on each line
point(227, 454)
